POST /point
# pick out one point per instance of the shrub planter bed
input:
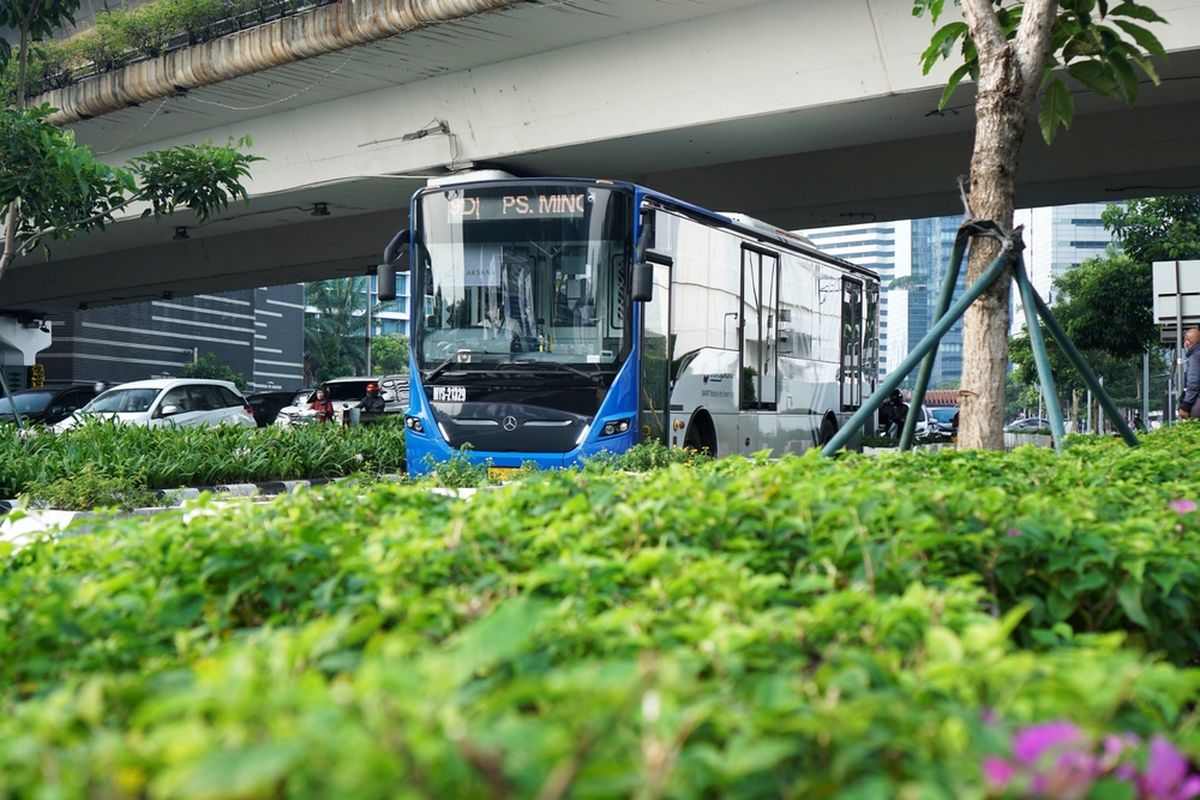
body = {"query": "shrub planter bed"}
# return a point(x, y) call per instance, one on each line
point(942, 625)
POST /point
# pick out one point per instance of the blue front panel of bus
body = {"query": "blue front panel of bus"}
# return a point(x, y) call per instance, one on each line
point(427, 448)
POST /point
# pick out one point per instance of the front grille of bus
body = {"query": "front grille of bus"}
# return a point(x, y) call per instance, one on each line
point(507, 428)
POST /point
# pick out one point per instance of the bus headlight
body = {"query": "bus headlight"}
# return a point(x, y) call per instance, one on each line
point(414, 424)
point(614, 427)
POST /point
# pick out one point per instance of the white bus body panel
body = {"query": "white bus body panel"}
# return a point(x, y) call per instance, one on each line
point(800, 337)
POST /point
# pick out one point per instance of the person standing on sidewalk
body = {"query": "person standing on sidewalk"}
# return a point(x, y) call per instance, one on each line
point(1188, 405)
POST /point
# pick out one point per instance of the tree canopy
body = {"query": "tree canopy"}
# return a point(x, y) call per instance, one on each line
point(389, 354)
point(213, 368)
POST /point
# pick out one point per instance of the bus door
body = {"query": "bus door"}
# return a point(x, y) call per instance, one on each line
point(759, 353)
point(851, 369)
point(656, 360)
point(871, 341)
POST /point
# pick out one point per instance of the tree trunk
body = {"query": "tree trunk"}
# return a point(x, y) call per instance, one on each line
point(999, 130)
point(1009, 72)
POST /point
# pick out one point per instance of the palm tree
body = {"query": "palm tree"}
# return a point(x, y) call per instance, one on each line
point(334, 328)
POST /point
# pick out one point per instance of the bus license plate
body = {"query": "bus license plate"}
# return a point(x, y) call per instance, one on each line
point(501, 473)
point(449, 394)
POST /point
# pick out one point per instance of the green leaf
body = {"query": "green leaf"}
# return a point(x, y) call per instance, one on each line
point(1145, 39)
point(952, 84)
point(942, 44)
point(1112, 789)
point(1125, 75)
point(1130, 598)
point(1147, 67)
point(495, 638)
point(249, 771)
point(1057, 109)
point(1095, 75)
point(1136, 11)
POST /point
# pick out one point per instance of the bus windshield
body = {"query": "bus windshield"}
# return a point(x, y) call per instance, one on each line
point(522, 273)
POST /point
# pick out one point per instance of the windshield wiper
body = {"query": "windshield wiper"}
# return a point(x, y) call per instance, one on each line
point(445, 363)
point(591, 376)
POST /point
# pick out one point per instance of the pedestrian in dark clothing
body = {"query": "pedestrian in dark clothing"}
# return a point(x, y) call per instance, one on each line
point(892, 414)
point(1188, 406)
point(373, 403)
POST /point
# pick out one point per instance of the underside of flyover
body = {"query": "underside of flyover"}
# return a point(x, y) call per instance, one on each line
point(878, 156)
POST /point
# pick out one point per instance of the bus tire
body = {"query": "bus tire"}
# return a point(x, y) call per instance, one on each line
point(829, 428)
point(701, 434)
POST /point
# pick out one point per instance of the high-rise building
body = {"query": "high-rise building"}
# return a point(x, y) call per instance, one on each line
point(259, 333)
point(1056, 239)
point(932, 242)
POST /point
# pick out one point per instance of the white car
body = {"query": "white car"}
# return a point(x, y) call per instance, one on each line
point(168, 401)
point(344, 394)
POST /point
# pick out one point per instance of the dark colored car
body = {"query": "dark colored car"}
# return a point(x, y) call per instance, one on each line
point(266, 405)
point(47, 405)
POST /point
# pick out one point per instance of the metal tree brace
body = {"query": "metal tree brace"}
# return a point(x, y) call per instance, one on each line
point(947, 314)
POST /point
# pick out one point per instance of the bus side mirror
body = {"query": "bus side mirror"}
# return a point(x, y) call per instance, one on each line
point(385, 282)
point(385, 273)
point(642, 285)
point(642, 290)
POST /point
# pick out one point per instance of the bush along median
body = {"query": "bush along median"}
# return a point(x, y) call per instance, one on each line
point(83, 465)
point(927, 625)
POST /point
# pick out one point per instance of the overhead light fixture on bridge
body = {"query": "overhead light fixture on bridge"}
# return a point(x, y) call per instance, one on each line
point(181, 233)
point(320, 209)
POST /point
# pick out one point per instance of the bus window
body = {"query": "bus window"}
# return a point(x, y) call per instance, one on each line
point(760, 321)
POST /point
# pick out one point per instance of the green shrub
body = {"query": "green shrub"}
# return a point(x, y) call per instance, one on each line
point(858, 627)
point(87, 489)
point(168, 458)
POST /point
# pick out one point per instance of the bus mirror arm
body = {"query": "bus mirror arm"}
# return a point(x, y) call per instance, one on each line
point(385, 273)
point(392, 251)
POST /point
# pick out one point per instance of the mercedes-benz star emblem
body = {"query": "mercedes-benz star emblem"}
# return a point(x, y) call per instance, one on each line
point(510, 424)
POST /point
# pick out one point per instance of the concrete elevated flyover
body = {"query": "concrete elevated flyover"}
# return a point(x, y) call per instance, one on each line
point(802, 113)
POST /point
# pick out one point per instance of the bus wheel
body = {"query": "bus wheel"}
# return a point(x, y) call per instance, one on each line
point(701, 435)
point(829, 427)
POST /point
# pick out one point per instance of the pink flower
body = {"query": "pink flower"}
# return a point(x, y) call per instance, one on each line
point(1166, 775)
point(1012, 533)
point(998, 773)
point(1182, 506)
point(1033, 742)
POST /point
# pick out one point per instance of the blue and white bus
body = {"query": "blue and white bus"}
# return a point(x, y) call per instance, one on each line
point(553, 319)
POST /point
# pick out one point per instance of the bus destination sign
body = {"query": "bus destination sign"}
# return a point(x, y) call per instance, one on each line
point(569, 205)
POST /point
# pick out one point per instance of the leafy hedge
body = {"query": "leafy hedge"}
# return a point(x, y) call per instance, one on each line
point(809, 627)
point(167, 458)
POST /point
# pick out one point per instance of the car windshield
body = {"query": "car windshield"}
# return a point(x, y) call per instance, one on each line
point(944, 414)
point(27, 402)
point(538, 270)
point(122, 401)
point(347, 391)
